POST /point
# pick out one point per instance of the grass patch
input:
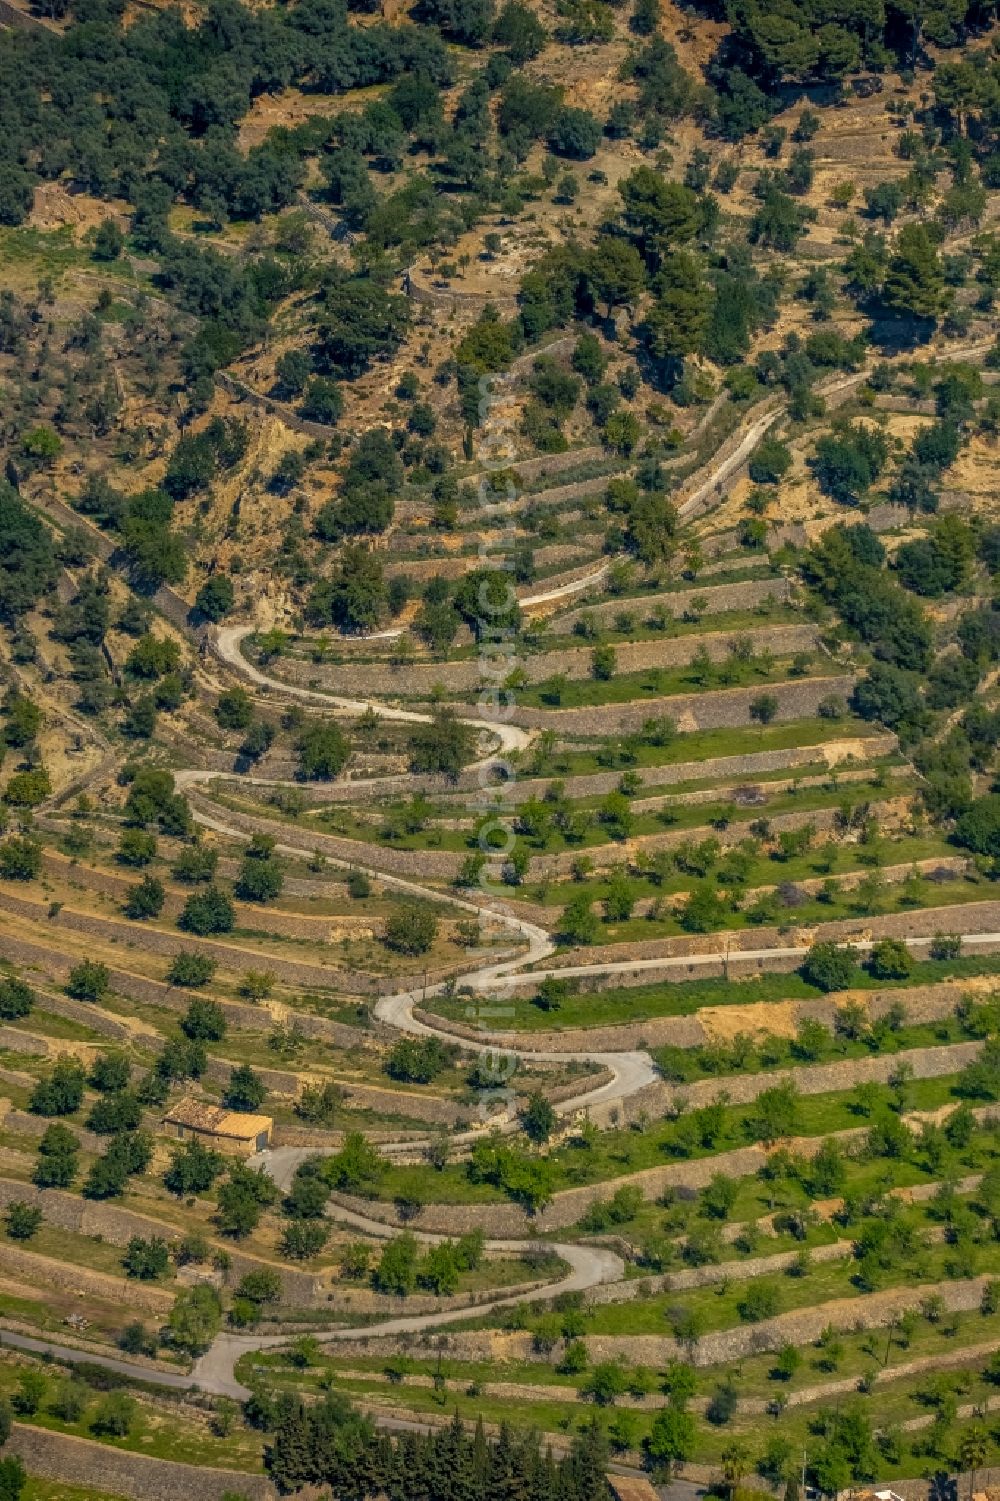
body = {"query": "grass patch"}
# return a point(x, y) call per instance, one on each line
point(656, 682)
point(685, 997)
point(702, 745)
point(594, 1158)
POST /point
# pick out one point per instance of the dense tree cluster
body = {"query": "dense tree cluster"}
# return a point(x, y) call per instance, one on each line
point(329, 1443)
point(847, 566)
point(27, 558)
point(182, 91)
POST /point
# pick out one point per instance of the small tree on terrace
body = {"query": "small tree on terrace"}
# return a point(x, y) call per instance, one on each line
point(671, 1438)
point(245, 1090)
point(145, 899)
point(194, 1320)
point(193, 1169)
point(61, 1093)
point(23, 1220)
point(890, 960)
point(57, 1162)
point(763, 709)
point(208, 911)
point(775, 1113)
point(539, 1118)
point(357, 1167)
point(215, 598)
point(89, 980)
point(411, 929)
point(204, 1020)
point(829, 966)
point(442, 746)
point(322, 751)
point(769, 462)
point(397, 1267)
point(914, 285)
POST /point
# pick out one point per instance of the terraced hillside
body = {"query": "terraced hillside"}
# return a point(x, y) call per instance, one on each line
point(499, 829)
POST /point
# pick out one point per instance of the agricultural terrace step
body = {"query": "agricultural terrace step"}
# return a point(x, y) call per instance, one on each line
point(732, 1231)
point(567, 1206)
point(230, 956)
point(117, 1225)
point(957, 865)
point(892, 813)
point(443, 865)
point(822, 1390)
point(818, 1078)
point(389, 1101)
point(800, 1327)
point(725, 708)
point(535, 1391)
point(921, 1003)
point(832, 752)
point(849, 880)
point(125, 1473)
point(884, 516)
point(921, 923)
point(712, 599)
point(420, 679)
point(315, 929)
point(66, 1276)
point(754, 796)
point(158, 993)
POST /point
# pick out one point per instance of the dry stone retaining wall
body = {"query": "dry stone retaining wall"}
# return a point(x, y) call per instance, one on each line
point(152, 940)
point(118, 1225)
point(43, 1271)
point(818, 1078)
point(167, 601)
point(921, 1004)
point(123, 1472)
point(961, 917)
point(263, 403)
point(31, 1045)
point(248, 916)
point(89, 1016)
point(158, 993)
point(277, 1081)
point(418, 679)
point(24, 20)
point(453, 300)
point(23, 1123)
point(725, 708)
point(747, 594)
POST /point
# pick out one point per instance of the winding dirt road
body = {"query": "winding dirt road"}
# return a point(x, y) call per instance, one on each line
point(228, 640)
point(629, 1072)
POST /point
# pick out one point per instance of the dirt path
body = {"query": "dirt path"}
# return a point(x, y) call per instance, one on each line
point(629, 1071)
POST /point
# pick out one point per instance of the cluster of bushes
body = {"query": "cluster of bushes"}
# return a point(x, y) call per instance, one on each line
point(400, 1268)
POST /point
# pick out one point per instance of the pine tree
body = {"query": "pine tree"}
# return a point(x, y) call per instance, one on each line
point(914, 285)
